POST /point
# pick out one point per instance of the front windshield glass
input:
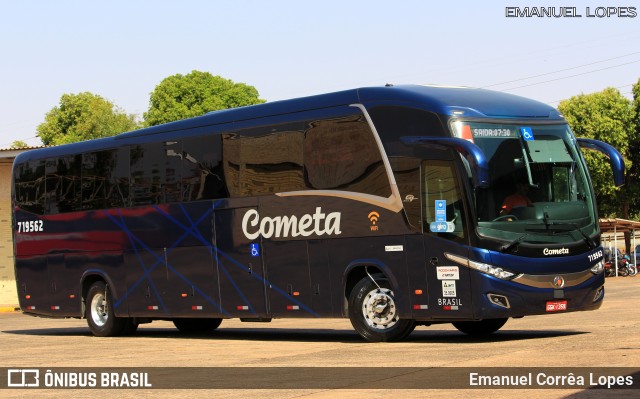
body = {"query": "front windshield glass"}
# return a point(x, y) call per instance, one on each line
point(539, 188)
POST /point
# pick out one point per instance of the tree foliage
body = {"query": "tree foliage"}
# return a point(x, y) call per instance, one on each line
point(185, 96)
point(18, 144)
point(610, 117)
point(83, 116)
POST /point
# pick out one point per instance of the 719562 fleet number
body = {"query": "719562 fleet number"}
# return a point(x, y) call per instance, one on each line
point(30, 226)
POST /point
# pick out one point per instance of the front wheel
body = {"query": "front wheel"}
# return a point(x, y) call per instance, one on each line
point(374, 314)
point(480, 327)
point(99, 312)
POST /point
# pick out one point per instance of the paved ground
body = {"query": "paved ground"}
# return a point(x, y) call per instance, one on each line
point(607, 337)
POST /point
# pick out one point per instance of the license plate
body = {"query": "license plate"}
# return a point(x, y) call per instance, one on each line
point(556, 306)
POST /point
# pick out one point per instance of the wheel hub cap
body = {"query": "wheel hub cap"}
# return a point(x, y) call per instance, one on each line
point(379, 309)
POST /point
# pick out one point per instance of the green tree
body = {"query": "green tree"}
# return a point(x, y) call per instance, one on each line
point(185, 96)
point(16, 145)
point(607, 116)
point(83, 116)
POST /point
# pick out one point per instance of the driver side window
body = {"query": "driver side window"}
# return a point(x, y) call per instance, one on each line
point(443, 205)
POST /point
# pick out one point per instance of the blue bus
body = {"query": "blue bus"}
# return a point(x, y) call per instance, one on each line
point(394, 206)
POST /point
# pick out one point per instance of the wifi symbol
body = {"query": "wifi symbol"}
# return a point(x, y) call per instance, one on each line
point(374, 216)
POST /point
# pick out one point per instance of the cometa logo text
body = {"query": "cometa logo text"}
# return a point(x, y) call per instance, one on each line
point(290, 226)
point(556, 251)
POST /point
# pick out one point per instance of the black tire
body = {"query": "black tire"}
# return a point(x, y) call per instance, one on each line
point(480, 327)
point(373, 312)
point(196, 326)
point(99, 312)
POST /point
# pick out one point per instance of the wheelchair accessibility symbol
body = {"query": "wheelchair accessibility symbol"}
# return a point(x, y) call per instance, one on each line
point(255, 250)
point(527, 133)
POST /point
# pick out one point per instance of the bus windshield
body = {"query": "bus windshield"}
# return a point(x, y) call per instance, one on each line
point(539, 188)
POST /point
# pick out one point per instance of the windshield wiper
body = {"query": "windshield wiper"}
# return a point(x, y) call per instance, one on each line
point(588, 240)
point(506, 247)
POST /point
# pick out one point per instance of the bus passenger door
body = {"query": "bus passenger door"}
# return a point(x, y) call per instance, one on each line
point(445, 227)
point(239, 261)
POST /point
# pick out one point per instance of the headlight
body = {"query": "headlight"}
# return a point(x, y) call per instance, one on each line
point(482, 267)
point(491, 270)
point(598, 268)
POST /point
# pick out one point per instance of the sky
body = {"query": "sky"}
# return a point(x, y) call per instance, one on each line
point(121, 50)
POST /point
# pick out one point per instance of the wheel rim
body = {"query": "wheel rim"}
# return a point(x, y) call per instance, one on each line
point(379, 309)
point(99, 313)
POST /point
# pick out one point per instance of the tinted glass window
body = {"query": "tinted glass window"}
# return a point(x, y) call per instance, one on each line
point(30, 186)
point(105, 179)
point(63, 184)
point(392, 123)
point(173, 158)
point(342, 154)
point(266, 160)
point(202, 173)
point(320, 154)
point(147, 173)
point(441, 189)
point(406, 171)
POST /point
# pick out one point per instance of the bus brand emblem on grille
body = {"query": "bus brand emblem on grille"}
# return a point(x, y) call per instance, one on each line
point(558, 282)
point(555, 251)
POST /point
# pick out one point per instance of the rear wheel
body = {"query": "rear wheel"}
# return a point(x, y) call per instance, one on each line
point(99, 312)
point(374, 314)
point(194, 326)
point(480, 327)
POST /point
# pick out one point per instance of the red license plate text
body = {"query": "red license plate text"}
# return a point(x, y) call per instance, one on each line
point(556, 306)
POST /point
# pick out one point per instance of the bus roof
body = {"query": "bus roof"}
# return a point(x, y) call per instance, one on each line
point(450, 101)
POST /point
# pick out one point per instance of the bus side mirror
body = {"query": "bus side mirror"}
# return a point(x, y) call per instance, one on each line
point(615, 159)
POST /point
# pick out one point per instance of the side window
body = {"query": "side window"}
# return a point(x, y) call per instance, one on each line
point(265, 160)
point(393, 122)
point(202, 172)
point(443, 198)
point(342, 154)
point(406, 171)
point(30, 186)
point(63, 184)
point(172, 184)
point(338, 153)
point(105, 179)
point(231, 164)
point(147, 174)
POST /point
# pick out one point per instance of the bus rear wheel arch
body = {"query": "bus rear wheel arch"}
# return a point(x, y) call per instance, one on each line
point(373, 311)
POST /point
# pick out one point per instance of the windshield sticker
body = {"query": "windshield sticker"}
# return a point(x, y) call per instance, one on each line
point(441, 210)
point(527, 133)
point(442, 227)
point(499, 133)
